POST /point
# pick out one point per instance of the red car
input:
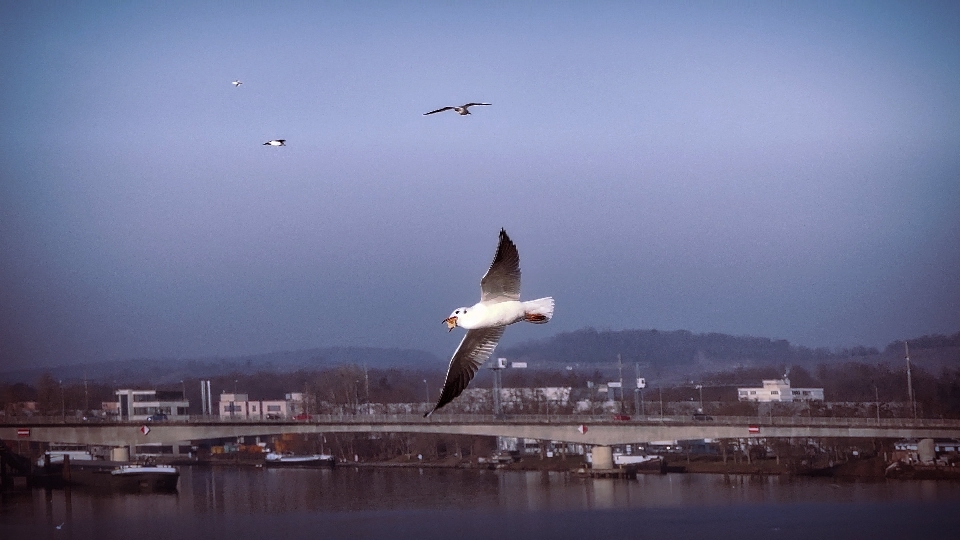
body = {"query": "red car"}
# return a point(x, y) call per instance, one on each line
point(621, 417)
point(303, 416)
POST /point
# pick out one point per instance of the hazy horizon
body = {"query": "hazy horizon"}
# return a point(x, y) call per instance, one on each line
point(779, 171)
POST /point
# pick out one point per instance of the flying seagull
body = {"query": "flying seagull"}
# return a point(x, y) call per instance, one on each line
point(276, 142)
point(499, 306)
point(461, 110)
point(237, 83)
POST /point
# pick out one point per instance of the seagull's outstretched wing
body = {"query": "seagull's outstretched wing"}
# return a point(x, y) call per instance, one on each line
point(476, 347)
point(502, 279)
point(472, 104)
point(439, 110)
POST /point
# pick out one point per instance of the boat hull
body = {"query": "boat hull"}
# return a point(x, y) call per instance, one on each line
point(126, 478)
point(300, 461)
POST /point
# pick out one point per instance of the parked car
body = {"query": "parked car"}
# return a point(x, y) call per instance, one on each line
point(621, 417)
point(303, 416)
point(273, 416)
point(700, 417)
point(158, 417)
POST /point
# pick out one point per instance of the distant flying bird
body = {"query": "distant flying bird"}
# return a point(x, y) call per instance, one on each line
point(276, 142)
point(237, 83)
point(60, 526)
point(499, 306)
point(461, 110)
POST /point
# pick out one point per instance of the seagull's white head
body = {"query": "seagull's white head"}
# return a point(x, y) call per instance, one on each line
point(452, 319)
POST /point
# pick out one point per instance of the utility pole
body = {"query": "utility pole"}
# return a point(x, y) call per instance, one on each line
point(366, 378)
point(620, 369)
point(913, 402)
point(636, 391)
point(876, 394)
point(700, 388)
point(661, 402)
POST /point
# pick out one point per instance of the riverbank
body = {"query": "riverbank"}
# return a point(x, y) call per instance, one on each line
point(867, 468)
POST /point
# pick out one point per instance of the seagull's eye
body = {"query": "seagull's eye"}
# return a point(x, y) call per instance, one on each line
point(457, 312)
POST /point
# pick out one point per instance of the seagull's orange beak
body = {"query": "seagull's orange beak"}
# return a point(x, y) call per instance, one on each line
point(451, 323)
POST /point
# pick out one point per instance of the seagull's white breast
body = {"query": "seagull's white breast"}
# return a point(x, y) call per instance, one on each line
point(486, 315)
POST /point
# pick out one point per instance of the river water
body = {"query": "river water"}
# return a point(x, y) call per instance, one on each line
point(356, 503)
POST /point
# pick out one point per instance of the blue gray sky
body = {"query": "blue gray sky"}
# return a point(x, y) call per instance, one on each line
point(779, 169)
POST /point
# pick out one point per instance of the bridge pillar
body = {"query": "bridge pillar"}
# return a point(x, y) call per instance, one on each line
point(602, 457)
point(926, 451)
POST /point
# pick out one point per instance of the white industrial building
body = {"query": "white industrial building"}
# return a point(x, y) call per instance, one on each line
point(140, 404)
point(779, 390)
point(240, 406)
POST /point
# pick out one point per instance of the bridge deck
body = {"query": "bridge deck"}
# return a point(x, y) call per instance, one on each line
point(573, 428)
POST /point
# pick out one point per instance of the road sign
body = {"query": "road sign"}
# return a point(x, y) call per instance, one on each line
point(614, 384)
point(582, 428)
point(641, 382)
point(23, 432)
point(754, 429)
point(145, 429)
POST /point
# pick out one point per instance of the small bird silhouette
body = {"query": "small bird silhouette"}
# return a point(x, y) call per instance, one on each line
point(60, 526)
point(276, 142)
point(237, 82)
point(461, 110)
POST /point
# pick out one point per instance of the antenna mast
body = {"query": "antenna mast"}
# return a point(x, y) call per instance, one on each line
point(913, 402)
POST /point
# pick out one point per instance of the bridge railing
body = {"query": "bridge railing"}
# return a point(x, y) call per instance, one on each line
point(453, 418)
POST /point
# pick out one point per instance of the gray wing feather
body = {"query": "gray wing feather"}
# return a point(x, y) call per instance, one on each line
point(438, 110)
point(502, 279)
point(477, 345)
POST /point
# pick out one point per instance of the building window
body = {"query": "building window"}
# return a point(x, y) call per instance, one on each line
point(774, 392)
point(273, 408)
point(796, 392)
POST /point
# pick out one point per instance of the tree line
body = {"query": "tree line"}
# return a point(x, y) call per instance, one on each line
point(351, 386)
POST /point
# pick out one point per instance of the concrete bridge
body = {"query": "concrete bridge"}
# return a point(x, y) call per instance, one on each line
point(589, 430)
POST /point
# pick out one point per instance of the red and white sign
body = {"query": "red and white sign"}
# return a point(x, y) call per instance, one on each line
point(144, 429)
point(23, 432)
point(754, 429)
point(582, 428)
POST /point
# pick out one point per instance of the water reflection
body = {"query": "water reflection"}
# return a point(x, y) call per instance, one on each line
point(367, 500)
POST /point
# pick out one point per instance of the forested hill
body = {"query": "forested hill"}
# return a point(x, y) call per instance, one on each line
point(681, 347)
point(164, 370)
point(587, 348)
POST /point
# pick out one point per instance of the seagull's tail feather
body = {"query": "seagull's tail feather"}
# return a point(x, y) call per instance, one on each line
point(538, 311)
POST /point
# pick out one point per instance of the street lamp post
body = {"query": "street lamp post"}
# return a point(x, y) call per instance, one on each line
point(700, 388)
point(63, 406)
point(426, 389)
point(913, 401)
point(661, 403)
